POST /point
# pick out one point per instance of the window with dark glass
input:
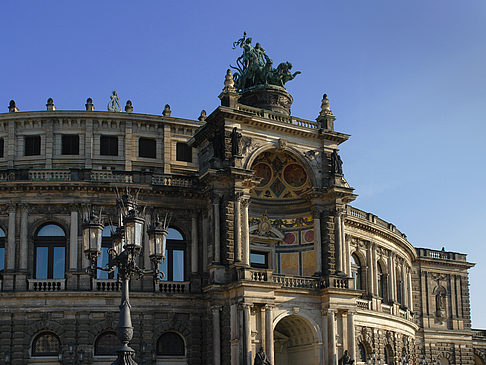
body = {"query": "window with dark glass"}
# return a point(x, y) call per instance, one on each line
point(356, 271)
point(70, 144)
point(170, 344)
point(104, 257)
point(389, 355)
point(109, 145)
point(147, 147)
point(32, 145)
point(106, 344)
point(259, 259)
point(46, 344)
point(400, 294)
point(183, 152)
point(50, 252)
point(381, 281)
point(173, 266)
point(2, 147)
point(2, 251)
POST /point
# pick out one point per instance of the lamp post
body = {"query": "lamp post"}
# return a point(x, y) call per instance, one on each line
point(127, 244)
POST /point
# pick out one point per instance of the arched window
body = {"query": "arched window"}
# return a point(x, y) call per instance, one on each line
point(389, 355)
point(50, 252)
point(103, 258)
point(106, 344)
point(361, 353)
point(356, 271)
point(170, 344)
point(173, 266)
point(2, 251)
point(381, 281)
point(46, 344)
point(444, 361)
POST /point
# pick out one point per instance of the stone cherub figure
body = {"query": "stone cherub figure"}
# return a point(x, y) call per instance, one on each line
point(346, 359)
point(261, 358)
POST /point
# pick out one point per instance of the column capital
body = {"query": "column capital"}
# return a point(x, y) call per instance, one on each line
point(215, 198)
point(245, 201)
point(216, 308)
point(11, 207)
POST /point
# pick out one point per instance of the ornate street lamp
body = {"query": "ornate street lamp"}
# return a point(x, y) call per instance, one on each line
point(157, 233)
point(127, 244)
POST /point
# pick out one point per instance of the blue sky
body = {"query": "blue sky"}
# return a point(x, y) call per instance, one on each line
point(405, 78)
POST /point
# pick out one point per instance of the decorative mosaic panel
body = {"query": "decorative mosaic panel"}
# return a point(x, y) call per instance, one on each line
point(282, 176)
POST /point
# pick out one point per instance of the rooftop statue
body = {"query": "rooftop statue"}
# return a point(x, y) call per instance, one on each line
point(114, 105)
point(254, 67)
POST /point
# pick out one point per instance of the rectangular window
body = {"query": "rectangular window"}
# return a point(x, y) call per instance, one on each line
point(32, 145)
point(183, 152)
point(59, 263)
point(109, 145)
point(259, 259)
point(1, 147)
point(41, 262)
point(147, 147)
point(70, 145)
point(178, 268)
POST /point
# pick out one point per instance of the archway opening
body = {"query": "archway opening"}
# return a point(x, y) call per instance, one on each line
point(295, 342)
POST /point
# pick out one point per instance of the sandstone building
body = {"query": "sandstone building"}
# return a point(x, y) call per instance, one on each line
point(265, 248)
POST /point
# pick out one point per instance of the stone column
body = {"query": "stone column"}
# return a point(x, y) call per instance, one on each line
point(24, 223)
point(246, 232)
point(459, 296)
point(331, 325)
point(217, 231)
point(317, 239)
point(128, 146)
point(405, 285)
point(344, 325)
point(247, 334)
point(73, 241)
point(194, 253)
point(370, 273)
point(374, 263)
point(269, 333)
point(216, 336)
point(237, 228)
point(10, 265)
point(325, 336)
point(235, 345)
point(339, 244)
point(205, 244)
point(410, 300)
point(392, 283)
point(351, 336)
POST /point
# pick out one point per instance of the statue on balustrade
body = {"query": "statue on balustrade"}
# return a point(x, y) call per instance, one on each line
point(261, 358)
point(346, 359)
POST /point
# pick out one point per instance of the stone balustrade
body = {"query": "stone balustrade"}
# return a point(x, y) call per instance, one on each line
point(63, 175)
point(106, 285)
point(357, 213)
point(46, 285)
point(173, 287)
point(277, 117)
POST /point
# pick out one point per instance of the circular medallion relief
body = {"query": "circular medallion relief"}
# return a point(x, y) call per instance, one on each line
point(263, 171)
point(295, 175)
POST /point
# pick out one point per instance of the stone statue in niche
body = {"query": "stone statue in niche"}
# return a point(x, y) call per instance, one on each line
point(440, 301)
point(261, 358)
point(218, 147)
point(336, 163)
point(235, 142)
point(346, 359)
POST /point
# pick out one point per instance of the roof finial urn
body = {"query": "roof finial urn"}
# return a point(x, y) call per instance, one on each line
point(325, 106)
point(229, 82)
point(167, 111)
point(203, 116)
point(326, 118)
point(89, 105)
point(50, 104)
point(129, 106)
point(12, 108)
